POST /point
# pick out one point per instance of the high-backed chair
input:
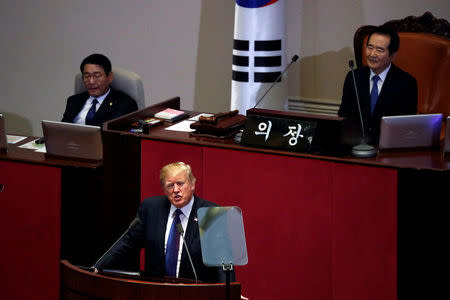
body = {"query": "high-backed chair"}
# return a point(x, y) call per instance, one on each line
point(424, 53)
point(125, 81)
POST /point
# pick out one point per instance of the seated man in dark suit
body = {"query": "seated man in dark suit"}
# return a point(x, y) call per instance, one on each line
point(383, 88)
point(100, 103)
point(156, 231)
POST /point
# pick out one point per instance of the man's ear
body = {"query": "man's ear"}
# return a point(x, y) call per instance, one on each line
point(394, 55)
point(110, 77)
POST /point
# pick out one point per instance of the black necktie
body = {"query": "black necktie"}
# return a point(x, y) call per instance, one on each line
point(91, 113)
point(173, 243)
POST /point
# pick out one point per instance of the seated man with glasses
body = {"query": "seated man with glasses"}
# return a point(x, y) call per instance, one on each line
point(156, 232)
point(100, 103)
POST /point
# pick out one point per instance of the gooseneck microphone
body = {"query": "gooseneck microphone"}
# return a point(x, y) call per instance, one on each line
point(293, 60)
point(181, 232)
point(132, 224)
point(351, 64)
point(363, 149)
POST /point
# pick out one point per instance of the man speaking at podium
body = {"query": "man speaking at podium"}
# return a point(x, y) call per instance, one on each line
point(155, 230)
point(100, 103)
point(383, 88)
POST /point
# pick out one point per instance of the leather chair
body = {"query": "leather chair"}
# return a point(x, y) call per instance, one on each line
point(125, 81)
point(424, 53)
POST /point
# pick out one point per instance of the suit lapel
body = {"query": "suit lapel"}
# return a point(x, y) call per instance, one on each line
point(189, 236)
point(365, 93)
point(192, 226)
point(161, 229)
point(385, 90)
point(105, 109)
point(78, 106)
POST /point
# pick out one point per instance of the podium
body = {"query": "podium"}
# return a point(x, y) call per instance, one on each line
point(80, 284)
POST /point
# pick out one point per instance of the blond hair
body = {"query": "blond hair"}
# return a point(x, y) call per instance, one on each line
point(170, 168)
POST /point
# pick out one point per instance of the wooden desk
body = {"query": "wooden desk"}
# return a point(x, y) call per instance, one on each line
point(80, 284)
point(43, 218)
point(317, 227)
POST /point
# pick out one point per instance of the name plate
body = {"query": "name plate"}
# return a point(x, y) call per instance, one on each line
point(280, 133)
point(292, 131)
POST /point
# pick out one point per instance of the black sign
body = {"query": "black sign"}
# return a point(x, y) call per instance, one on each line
point(281, 133)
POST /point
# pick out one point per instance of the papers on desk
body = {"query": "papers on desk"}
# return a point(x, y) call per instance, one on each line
point(185, 126)
point(197, 117)
point(171, 115)
point(33, 146)
point(14, 139)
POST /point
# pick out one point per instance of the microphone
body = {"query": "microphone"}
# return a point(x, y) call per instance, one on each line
point(132, 224)
point(181, 232)
point(363, 149)
point(293, 60)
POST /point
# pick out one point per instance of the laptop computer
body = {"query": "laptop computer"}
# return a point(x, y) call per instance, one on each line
point(410, 131)
point(3, 139)
point(72, 140)
point(447, 136)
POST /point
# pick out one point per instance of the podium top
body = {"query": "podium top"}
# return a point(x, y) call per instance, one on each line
point(89, 285)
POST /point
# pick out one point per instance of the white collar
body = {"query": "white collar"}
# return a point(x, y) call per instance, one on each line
point(186, 210)
point(382, 75)
point(99, 99)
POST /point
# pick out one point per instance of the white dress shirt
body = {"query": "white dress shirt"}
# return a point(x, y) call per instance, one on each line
point(380, 82)
point(184, 218)
point(81, 117)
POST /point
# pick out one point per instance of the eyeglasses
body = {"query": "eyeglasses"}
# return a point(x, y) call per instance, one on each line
point(171, 186)
point(97, 76)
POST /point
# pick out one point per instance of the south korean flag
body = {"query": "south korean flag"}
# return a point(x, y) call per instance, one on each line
point(258, 50)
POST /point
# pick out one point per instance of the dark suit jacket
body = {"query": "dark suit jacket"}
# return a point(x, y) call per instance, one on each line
point(150, 234)
point(116, 104)
point(398, 96)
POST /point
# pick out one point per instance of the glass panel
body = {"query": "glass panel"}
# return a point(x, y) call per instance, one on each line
point(222, 236)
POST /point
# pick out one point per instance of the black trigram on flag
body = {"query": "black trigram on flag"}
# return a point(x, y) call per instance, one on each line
point(250, 60)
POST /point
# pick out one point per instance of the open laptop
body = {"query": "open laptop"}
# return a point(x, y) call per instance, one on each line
point(72, 140)
point(3, 139)
point(447, 136)
point(410, 131)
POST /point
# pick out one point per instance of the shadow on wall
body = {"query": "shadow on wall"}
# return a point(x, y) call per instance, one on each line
point(322, 76)
point(214, 57)
point(16, 124)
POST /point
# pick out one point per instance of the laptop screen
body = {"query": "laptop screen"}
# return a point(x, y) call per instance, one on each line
point(3, 140)
point(447, 136)
point(72, 140)
point(410, 131)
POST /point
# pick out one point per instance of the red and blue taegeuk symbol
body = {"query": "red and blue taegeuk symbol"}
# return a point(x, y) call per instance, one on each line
point(255, 3)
